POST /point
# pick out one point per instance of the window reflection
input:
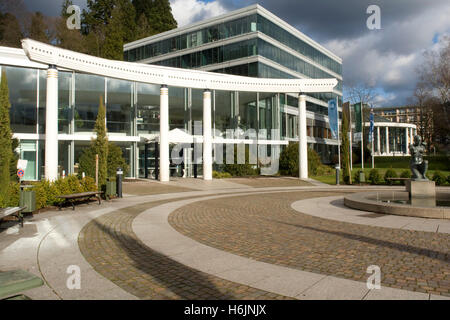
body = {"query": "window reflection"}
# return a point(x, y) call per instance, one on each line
point(22, 85)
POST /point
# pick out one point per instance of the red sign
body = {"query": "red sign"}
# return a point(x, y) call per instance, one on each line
point(20, 173)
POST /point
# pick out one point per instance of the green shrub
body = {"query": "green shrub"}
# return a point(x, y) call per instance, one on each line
point(88, 184)
point(405, 174)
point(288, 164)
point(375, 177)
point(116, 160)
point(11, 195)
point(239, 170)
point(448, 179)
point(221, 175)
point(439, 178)
point(314, 162)
point(390, 173)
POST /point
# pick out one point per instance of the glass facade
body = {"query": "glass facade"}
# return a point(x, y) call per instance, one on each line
point(229, 29)
point(193, 39)
point(244, 49)
point(244, 110)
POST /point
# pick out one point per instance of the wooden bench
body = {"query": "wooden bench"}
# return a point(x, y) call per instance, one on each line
point(15, 281)
point(397, 179)
point(13, 211)
point(74, 196)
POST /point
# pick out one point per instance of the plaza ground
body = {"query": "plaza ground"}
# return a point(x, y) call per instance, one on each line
point(240, 238)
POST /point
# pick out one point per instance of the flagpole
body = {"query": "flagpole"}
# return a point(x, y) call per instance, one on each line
point(372, 126)
point(362, 137)
point(350, 135)
point(339, 140)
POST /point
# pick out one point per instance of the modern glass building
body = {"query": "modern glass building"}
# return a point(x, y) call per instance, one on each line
point(253, 42)
point(160, 115)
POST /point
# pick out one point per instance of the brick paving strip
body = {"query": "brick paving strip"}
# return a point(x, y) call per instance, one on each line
point(109, 244)
point(265, 228)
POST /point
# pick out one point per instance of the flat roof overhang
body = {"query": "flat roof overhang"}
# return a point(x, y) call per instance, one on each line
point(152, 74)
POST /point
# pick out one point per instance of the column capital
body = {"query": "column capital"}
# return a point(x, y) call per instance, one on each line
point(52, 66)
point(301, 96)
point(164, 86)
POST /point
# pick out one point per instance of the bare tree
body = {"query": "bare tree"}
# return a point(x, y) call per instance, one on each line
point(423, 101)
point(359, 92)
point(435, 77)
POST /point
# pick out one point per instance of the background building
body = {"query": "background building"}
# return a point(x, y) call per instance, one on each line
point(253, 42)
point(401, 114)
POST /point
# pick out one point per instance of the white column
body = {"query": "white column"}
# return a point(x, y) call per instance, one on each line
point(207, 137)
point(51, 125)
point(164, 163)
point(302, 145)
point(407, 140)
point(378, 141)
point(387, 140)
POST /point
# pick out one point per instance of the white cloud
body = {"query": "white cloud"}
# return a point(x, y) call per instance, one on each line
point(190, 11)
point(388, 58)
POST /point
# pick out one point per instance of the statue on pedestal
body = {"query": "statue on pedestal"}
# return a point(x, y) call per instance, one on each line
point(418, 165)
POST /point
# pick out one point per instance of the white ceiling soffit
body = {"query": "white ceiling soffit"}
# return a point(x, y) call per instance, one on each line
point(187, 78)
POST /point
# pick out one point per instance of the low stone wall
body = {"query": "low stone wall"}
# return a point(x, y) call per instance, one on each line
point(367, 201)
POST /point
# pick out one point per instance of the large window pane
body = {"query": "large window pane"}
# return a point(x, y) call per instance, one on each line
point(42, 99)
point(118, 110)
point(22, 85)
point(64, 101)
point(223, 111)
point(178, 115)
point(197, 109)
point(147, 108)
point(89, 89)
point(247, 114)
point(28, 152)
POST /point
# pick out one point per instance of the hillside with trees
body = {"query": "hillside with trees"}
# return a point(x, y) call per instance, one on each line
point(106, 25)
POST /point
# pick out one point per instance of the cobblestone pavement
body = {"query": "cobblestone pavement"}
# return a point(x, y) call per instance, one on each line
point(258, 182)
point(150, 187)
point(264, 227)
point(111, 247)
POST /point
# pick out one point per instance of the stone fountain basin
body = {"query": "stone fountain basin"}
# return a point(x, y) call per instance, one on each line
point(367, 201)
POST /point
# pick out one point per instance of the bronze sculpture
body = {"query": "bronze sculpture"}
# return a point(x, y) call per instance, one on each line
point(418, 165)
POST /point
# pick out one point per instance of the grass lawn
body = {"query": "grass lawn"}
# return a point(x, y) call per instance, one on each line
point(331, 179)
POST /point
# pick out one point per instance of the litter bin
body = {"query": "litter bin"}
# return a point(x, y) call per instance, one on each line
point(362, 177)
point(27, 198)
point(110, 188)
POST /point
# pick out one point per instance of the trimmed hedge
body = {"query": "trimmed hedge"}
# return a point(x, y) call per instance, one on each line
point(439, 178)
point(220, 175)
point(390, 173)
point(434, 162)
point(375, 177)
point(47, 192)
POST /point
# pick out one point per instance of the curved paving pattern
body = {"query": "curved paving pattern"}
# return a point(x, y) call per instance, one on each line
point(266, 228)
point(109, 244)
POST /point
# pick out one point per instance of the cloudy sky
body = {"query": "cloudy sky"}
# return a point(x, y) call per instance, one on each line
point(386, 59)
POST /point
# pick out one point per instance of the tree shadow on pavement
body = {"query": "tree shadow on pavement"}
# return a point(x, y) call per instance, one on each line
point(179, 281)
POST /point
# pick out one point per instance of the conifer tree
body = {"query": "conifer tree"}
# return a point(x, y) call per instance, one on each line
point(66, 38)
point(158, 13)
point(10, 31)
point(100, 144)
point(38, 28)
point(345, 152)
point(5, 136)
